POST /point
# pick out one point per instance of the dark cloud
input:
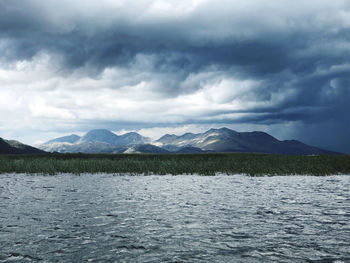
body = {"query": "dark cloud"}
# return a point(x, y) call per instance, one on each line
point(298, 54)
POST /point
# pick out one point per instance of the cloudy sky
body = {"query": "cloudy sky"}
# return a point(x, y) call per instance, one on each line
point(163, 66)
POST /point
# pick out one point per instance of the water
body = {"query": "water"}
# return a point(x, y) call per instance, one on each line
point(94, 218)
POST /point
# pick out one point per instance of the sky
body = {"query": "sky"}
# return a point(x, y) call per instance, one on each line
point(159, 67)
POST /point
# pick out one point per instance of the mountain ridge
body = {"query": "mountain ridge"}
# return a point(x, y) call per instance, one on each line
point(16, 147)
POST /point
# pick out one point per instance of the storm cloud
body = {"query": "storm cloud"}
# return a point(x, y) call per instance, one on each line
point(278, 66)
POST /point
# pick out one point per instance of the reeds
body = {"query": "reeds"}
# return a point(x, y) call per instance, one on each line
point(203, 164)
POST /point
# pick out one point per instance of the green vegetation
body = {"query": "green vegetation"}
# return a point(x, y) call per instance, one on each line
point(204, 164)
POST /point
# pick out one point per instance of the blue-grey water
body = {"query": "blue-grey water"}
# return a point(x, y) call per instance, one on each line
point(106, 218)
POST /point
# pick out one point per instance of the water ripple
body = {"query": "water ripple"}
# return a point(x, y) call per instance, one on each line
point(109, 218)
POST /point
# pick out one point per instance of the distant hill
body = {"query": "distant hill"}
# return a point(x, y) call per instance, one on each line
point(15, 147)
point(226, 140)
point(213, 140)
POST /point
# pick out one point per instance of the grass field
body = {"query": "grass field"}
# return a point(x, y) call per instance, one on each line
point(203, 164)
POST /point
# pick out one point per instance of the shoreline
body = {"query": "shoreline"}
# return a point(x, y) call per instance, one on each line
point(172, 175)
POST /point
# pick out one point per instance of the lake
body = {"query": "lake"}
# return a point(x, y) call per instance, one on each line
point(185, 218)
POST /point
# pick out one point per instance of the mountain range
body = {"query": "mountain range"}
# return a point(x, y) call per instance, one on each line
point(213, 140)
point(95, 141)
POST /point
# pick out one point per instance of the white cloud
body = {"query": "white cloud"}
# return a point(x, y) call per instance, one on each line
point(43, 100)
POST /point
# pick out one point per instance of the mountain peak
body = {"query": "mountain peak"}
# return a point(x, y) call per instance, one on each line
point(99, 132)
point(131, 134)
point(223, 129)
point(99, 135)
point(133, 138)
